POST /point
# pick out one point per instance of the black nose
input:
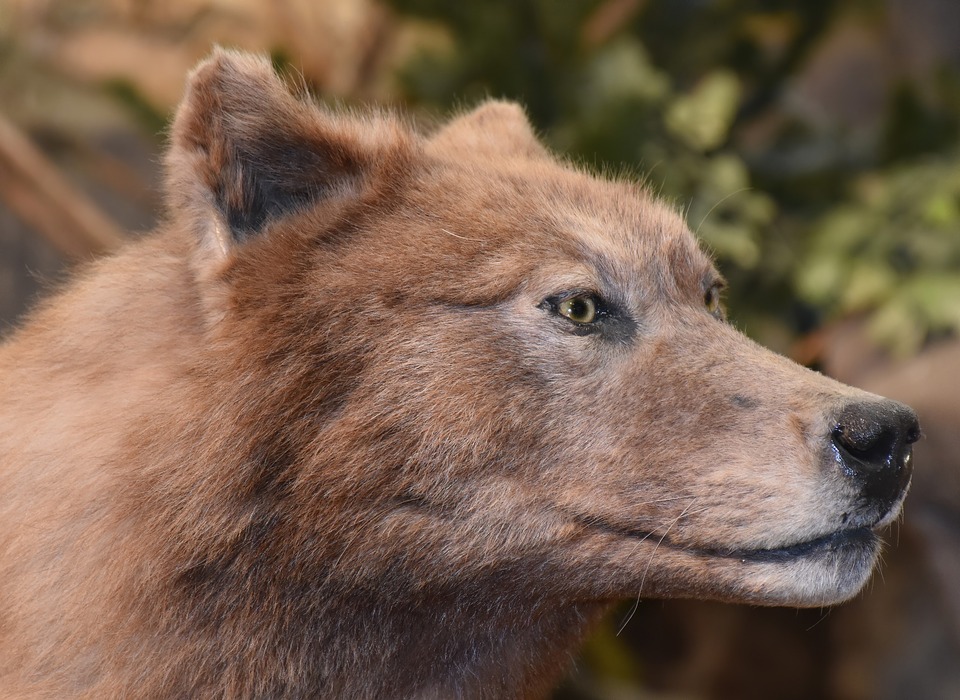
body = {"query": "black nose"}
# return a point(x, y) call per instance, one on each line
point(872, 441)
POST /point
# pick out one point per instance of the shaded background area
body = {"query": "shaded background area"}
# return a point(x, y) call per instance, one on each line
point(813, 145)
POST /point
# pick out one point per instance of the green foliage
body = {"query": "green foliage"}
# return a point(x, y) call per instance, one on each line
point(702, 117)
point(892, 252)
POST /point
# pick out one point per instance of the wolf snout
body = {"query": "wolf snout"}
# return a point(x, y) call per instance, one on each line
point(873, 442)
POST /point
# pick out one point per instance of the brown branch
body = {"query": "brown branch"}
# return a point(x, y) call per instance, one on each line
point(33, 188)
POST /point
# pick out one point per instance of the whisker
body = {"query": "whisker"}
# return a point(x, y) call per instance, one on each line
point(824, 614)
point(643, 578)
point(462, 238)
point(666, 499)
point(719, 202)
point(660, 541)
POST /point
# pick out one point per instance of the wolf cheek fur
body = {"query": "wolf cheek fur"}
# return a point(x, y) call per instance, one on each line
point(376, 414)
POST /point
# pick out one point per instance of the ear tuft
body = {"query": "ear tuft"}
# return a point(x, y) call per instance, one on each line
point(496, 128)
point(244, 152)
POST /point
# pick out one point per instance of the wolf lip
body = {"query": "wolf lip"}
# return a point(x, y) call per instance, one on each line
point(859, 538)
point(851, 539)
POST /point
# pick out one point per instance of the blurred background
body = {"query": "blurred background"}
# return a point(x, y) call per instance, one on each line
point(813, 145)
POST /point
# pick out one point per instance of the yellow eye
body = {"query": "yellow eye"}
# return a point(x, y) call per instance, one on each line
point(579, 309)
point(711, 299)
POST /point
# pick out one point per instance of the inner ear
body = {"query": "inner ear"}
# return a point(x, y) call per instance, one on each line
point(245, 152)
point(494, 129)
point(270, 177)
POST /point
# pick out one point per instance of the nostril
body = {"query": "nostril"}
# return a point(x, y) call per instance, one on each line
point(873, 449)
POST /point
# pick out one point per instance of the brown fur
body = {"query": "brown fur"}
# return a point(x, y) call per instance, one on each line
point(321, 435)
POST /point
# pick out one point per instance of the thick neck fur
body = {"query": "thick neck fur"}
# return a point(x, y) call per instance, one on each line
point(207, 538)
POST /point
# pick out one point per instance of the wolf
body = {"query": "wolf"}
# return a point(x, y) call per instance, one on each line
point(378, 412)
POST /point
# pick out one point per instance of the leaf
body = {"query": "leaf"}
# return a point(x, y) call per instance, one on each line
point(897, 326)
point(866, 285)
point(937, 298)
point(735, 243)
point(702, 118)
point(941, 210)
point(622, 71)
point(820, 278)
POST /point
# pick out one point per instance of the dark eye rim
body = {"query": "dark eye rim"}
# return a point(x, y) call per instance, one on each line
point(603, 310)
point(713, 299)
point(613, 322)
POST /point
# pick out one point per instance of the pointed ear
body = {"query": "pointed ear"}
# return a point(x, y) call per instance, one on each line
point(245, 153)
point(494, 129)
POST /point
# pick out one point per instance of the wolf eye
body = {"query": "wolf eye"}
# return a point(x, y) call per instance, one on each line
point(581, 308)
point(587, 313)
point(711, 299)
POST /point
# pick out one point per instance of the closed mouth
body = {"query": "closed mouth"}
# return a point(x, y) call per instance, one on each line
point(848, 541)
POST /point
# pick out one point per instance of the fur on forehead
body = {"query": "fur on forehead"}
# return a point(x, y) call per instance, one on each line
point(622, 228)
